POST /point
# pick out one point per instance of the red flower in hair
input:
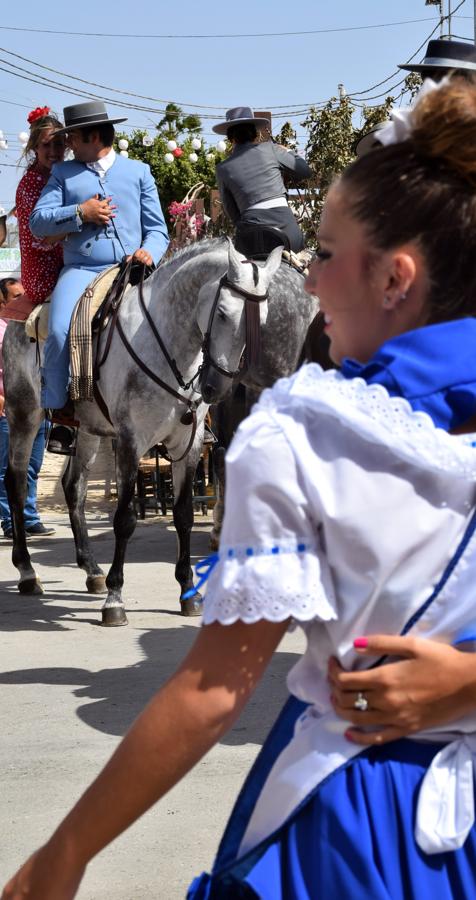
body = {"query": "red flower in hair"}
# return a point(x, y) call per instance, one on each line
point(37, 113)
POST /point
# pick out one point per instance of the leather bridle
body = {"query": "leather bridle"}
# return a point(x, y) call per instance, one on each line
point(250, 353)
point(251, 349)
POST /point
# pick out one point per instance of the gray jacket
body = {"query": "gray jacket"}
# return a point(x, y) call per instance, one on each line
point(253, 173)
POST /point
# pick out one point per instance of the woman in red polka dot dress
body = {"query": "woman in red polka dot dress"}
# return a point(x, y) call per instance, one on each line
point(41, 258)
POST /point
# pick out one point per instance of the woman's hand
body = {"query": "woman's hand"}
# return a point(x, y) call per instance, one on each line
point(433, 684)
point(44, 875)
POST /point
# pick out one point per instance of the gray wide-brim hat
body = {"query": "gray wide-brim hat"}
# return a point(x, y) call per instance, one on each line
point(445, 54)
point(369, 141)
point(240, 115)
point(82, 115)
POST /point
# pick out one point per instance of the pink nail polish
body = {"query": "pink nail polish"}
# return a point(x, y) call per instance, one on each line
point(360, 643)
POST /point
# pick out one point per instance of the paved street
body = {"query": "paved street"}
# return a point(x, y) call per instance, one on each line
point(69, 689)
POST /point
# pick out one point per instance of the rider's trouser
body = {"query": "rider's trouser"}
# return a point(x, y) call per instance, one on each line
point(55, 369)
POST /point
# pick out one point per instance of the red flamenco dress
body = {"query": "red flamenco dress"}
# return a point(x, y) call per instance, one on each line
point(41, 262)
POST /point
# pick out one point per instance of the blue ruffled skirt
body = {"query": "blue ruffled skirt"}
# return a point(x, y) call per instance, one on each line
point(351, 839)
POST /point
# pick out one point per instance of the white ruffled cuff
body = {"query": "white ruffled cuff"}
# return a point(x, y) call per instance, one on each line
point(277, 583)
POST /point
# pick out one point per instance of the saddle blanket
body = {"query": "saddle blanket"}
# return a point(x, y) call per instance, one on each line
point(80, 334)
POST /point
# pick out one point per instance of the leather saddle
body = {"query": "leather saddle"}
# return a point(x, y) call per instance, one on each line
point(257, 241)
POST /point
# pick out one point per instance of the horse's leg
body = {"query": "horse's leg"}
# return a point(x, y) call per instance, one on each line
point(127, 462)
point(23, 428)
point(183, 475)
point(75, 486)
point(219, 508)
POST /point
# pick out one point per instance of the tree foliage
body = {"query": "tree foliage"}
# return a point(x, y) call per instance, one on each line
point(332, 134)
point(175, 179)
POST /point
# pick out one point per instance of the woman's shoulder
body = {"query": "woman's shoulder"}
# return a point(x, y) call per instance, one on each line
point(316, 399)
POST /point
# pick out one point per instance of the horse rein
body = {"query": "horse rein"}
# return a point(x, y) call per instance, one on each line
point(252, 317)
point(189, 417)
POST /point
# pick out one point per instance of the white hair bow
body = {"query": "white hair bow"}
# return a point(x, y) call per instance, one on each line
point(399, 128)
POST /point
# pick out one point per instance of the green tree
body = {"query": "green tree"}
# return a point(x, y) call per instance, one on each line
point(175, 179)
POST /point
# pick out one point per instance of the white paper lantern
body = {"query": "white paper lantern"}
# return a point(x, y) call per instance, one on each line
point(3, 144)
point(210, 157)
point(123, 144)
point(171, 145)
point(168, 158)
point(23, 137)
point(193, 157)
point(123, 153)
point(196, 144)
point(147, 141)
point(221, 146)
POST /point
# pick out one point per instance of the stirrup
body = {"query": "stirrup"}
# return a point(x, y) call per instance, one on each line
point(62, 439)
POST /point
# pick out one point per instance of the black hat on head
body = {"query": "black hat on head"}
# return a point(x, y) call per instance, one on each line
point(445, 54)
point(240, 115)
point(369, 141)
point(82, 115)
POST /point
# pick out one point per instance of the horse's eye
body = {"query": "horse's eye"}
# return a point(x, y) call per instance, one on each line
point(221, 315)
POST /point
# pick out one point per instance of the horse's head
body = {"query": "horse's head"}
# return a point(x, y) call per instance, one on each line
point(229, 315)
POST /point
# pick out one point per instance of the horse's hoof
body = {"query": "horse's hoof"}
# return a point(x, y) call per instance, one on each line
point(96, 584)
point(30, 586)
point(112, 616)
point(193, 606)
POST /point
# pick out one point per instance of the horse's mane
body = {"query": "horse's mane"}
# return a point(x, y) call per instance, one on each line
point(167, 268)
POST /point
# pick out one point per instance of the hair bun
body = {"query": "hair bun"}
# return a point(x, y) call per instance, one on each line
point(444, 126)
point(38, 113)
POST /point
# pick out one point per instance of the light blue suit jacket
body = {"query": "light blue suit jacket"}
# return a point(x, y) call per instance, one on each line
point(138, 222)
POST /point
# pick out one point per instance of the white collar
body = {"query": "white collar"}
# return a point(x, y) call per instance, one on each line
point(368, 410)
point(104, 163)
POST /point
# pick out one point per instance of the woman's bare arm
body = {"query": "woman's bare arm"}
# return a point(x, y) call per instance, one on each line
point(180, 724)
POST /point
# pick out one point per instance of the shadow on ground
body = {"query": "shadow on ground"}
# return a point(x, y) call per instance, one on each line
point(117, 695)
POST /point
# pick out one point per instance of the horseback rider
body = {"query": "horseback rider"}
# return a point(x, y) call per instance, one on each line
point(251, 179)
point(109, 208)
point(443, 57)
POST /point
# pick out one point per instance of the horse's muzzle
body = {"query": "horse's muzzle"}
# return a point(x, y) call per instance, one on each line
point(213, 386)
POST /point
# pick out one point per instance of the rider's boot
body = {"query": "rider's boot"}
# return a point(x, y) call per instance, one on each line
point(63, 433)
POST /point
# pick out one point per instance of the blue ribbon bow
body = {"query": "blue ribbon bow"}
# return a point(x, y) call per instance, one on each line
point(203, 570)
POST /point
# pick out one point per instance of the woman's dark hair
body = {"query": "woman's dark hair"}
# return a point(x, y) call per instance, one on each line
point(242, 134)
point(5, 284)
point(105, 131)
point(423, 191)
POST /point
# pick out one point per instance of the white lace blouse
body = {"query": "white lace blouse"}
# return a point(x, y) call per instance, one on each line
point(342, 509)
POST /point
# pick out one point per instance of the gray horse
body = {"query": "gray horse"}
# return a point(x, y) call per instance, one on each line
point(197, 302)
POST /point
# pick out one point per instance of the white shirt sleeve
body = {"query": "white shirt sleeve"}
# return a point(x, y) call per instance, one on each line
point(271, 565)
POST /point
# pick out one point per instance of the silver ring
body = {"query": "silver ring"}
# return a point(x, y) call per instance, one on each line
point(361, 703)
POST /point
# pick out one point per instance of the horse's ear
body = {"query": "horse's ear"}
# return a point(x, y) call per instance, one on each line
point(235, 264)
point(272, 264)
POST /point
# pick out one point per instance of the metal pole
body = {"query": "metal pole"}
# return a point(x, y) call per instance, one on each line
point(449, 19)
point(442, 12)
point(475, 21)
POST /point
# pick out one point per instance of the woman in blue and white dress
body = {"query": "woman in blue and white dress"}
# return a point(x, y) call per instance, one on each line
point(350, 511)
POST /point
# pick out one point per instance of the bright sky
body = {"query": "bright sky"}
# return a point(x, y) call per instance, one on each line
point(287, 71)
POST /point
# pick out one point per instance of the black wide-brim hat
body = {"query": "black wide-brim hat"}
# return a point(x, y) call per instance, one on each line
point(240, 115)
point(82, 115)
point(445, 54)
